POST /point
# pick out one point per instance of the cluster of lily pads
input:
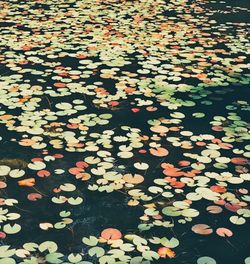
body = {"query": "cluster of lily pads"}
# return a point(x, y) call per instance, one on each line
point(120, 98)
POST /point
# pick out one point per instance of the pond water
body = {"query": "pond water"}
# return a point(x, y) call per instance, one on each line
point(124, 132)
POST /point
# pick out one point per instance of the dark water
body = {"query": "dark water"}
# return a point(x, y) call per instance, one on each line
point(27, 23)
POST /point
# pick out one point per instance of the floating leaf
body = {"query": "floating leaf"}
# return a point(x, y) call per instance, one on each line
point(6, 252)
point(171, 211)
point(224, 232)
point(49, 246)
point(202, 229)
point(11, 229)
point(96, 251)
point(206, 260)
point(54, 258)
point(75, 201)
point(111, 233)
point(150, 255)
point(170, 243)
point(74, 258)
point(237, 220)
point(91, 241)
